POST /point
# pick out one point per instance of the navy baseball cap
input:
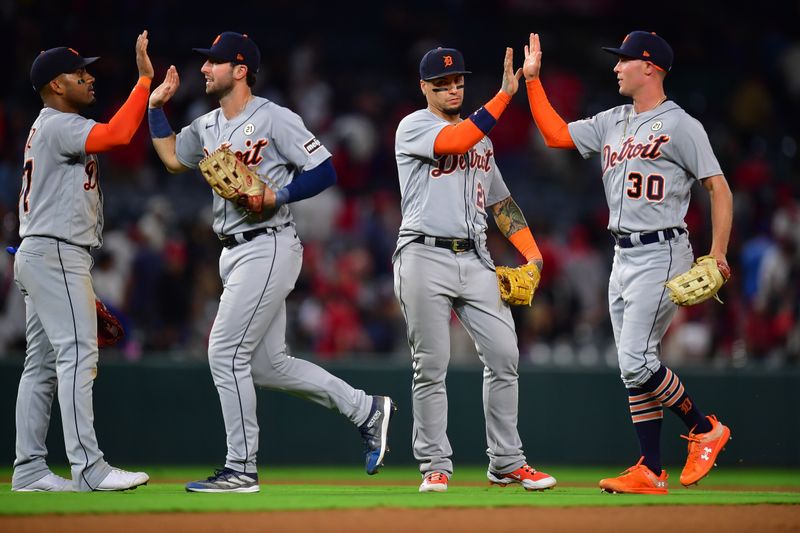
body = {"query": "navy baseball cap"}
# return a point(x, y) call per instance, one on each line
point(235, 47)
point(55, 61)
point(646, 46)
point(441, 62)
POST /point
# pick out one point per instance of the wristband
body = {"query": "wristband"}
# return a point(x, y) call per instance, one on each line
point(144, 82)
point(484, 120)
point(281, 197)
point(159, 126)
point(524, 242)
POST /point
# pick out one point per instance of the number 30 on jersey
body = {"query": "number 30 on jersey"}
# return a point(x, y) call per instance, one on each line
point(651, 187)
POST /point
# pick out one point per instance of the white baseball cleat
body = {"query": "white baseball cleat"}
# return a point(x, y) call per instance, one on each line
point(49, 483)
point(121, 480)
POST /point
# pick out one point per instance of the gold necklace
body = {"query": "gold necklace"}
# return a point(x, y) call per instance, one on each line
point(659, 103)
point(244, 105)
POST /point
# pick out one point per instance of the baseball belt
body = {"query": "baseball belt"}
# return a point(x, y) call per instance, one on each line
point(454, 245)
point(229, 241)
point(625, 240)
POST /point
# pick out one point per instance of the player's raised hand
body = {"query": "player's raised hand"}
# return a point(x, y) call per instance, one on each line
point(162, 94)
point(533, 58)
point(142, 59)
point(510, 78)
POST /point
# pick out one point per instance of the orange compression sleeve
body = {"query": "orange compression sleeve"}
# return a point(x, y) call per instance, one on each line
point(553, 128)
point(459, 138)
point(524, 242)
point(120, 129)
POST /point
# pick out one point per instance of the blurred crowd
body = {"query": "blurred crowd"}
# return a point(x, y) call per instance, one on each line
point(352, 75)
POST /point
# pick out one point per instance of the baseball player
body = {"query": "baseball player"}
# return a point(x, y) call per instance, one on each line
point(261, 257)
point(652, 152)
point(61, 219)
point(449, 180)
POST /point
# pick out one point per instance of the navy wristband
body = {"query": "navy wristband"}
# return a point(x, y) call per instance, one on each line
point(281, 197)
point(159, 126)
point(484, 120)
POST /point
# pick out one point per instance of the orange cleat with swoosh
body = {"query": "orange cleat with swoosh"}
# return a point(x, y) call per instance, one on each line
point(527, 476)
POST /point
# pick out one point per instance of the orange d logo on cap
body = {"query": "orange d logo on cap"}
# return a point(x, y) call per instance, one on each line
point(441, 62)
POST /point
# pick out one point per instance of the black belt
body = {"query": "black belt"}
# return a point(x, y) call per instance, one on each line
point(454, 245)
point(229, 241)
point(624, 241)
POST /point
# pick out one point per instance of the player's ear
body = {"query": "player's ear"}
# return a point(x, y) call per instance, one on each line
point(55, 86)
point(650, 69)
point(422, 87)
point(240, 72)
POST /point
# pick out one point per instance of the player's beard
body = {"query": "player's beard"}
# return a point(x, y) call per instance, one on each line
point(219, 90)
point(454, 111)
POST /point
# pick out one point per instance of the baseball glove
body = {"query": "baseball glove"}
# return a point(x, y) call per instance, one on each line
point(231, 179)
point(109, 330)
point(517, 285)
point(700, 282)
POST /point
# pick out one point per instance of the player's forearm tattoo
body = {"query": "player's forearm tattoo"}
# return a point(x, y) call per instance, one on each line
point(508, 216)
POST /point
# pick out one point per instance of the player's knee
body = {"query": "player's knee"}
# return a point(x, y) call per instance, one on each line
point(260, 378)
point(502, 358)
point(268, 371)
point(222, 364)
point(430, 367)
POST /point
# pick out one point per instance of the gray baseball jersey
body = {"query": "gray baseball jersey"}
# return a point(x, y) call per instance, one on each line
point(61, 194)
point(649, 162)
point(247, 344)
point(60, 211)
point(447, 197)
point(268, 138)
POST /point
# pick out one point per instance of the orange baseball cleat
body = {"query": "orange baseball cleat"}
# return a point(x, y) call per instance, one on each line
point(703, 451)
point(530, 478)
point(434, 482)
point(638, 479)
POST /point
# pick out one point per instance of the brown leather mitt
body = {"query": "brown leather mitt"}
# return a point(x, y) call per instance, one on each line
point(109, 330)
point(700, 282)
point(517, 285)
point(232, 180)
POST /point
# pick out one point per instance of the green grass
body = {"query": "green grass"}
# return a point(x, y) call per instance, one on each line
point(346, 488)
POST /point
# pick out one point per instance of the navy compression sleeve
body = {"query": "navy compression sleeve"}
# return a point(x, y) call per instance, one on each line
point(307, 184)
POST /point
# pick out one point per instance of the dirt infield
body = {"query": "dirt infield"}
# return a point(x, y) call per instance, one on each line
point(731, 519)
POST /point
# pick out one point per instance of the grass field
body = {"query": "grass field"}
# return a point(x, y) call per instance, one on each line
point(325, 488)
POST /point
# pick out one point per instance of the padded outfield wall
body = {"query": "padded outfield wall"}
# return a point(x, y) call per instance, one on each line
point(168, 413)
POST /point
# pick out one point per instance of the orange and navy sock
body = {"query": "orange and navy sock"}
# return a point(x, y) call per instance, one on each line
point(667, 388)
point(647, 414)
